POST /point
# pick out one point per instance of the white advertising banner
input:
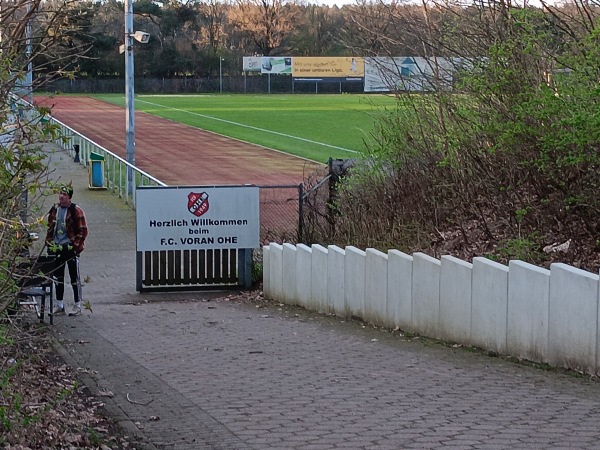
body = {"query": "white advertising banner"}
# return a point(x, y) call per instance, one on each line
point(406, 73)
point(197, 217)
point(276, 64)
point(252, 63)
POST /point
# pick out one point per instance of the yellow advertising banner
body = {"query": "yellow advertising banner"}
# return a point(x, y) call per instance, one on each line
point(327, 67)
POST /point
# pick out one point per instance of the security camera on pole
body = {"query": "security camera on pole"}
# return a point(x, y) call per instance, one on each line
point(142, 38)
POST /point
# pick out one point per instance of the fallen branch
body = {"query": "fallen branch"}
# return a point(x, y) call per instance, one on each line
point(138, 403)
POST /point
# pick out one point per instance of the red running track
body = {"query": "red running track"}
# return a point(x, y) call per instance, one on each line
point(179, 154)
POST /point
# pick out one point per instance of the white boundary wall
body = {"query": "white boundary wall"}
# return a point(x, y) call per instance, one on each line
point(550, 316)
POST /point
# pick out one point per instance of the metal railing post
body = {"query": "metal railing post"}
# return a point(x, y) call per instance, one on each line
point(300, 212)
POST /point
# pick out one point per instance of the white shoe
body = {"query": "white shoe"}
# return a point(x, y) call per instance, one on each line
point(76, 311)
point(58, 311)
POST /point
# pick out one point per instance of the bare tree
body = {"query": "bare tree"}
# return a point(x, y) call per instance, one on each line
point(266, 22)
point(317, 30)
point(213, 16)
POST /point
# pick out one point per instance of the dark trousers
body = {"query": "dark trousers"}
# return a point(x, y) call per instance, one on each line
point(66, 257)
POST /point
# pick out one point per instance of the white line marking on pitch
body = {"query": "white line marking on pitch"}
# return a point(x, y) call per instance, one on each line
point(248, 126)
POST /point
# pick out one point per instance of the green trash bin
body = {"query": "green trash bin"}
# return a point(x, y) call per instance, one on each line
point(44, 121)
point(96, 169)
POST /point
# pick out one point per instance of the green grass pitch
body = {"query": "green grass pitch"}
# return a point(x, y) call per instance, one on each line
point(315, 127)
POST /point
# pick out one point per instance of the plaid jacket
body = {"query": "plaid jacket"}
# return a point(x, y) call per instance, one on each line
point(75, 223)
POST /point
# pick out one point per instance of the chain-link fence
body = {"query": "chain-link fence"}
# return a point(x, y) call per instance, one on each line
point(299, 214)
point(317, 214)
point(280, 213)
point(319, 203)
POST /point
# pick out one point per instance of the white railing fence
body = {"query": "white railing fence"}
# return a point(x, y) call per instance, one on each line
point(547, 316)
point(114, 167)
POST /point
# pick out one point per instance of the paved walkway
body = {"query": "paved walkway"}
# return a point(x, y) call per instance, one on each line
point(207, 371)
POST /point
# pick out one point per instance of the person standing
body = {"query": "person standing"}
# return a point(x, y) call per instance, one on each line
point(67, 231)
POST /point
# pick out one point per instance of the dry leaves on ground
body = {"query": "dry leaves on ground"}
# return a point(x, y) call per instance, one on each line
point(42, 404)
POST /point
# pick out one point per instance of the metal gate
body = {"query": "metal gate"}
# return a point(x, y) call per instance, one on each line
point(187, 270)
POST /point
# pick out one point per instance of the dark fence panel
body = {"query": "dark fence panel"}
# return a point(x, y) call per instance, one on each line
point(251, 84)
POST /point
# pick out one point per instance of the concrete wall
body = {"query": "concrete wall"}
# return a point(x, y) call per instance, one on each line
point(550, 316)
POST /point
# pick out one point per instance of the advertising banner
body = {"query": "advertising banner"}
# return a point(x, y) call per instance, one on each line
point(197, 217)
point(252, 63)
point(276, 64)
point(406, 73)
point(328, 67)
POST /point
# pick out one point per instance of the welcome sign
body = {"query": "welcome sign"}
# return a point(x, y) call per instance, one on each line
point(197, 217)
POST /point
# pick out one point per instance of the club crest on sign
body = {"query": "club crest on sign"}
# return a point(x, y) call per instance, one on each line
point(198, 203)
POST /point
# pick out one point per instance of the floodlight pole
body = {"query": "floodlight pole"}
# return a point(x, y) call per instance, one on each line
point(129, 98)
point(220, 75)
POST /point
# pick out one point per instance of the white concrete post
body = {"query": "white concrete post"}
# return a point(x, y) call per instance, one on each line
point(276, 271)
point(490, 305)
point(354, 282)
point(455, 299)
point(319, 278)
point(528, 301)
point(336, 258)
point(303, 276)
point(376, 288)
point(573, 318)
point(266, 272)
point(289, 274)
point(426, 295)
point(399, 289)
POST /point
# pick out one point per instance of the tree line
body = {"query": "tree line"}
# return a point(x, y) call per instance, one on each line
point(193, 38)
point(189, 38)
